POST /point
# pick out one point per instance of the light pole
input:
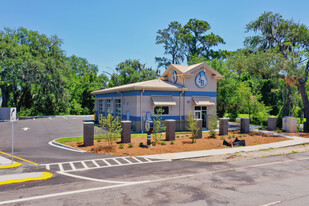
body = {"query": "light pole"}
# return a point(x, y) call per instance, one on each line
point(12, 121)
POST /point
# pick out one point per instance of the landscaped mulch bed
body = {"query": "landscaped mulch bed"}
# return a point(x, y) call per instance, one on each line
point(182, 143)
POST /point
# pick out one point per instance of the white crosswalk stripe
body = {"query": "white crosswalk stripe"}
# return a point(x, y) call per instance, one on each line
point(99, 163)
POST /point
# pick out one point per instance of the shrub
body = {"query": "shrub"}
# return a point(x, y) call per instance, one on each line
point(192, 126)
point(163, 143)
point(158, 125)
point(141, 144)
point(177, 136)
point(113, 127)
point(154, 143)
point(121, 146)
point(212, 125)
point(130, 145)
point(172, 142)
point(99, 140)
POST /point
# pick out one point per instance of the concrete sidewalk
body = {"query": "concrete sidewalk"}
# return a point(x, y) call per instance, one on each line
point(193, 154)
point(5, 161)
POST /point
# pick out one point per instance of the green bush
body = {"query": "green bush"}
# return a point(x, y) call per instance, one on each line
point(130, 145)
point(172, 142)
point(141, 144)
point(121, 146)
point(163, 143)
point(154, 143)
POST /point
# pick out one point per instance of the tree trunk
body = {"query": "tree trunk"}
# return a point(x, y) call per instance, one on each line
point(5, 96)
point(303, 92)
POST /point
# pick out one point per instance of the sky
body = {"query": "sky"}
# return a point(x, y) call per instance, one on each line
point(109, 32)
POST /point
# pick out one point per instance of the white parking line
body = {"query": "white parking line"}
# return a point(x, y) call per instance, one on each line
point(95, 163)
point(106, 162)
point(137, 159)
point(60, 167)
point(125, 159)
point(117, 161)
point(271, 203)
point(72, 165)
point(84, 164)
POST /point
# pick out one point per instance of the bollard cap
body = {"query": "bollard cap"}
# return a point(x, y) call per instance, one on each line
point(126, 121)
point(170, 120)
point(88, 122)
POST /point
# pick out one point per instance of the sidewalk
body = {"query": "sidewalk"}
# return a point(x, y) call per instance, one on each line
point(6, 166)
point(193, 154)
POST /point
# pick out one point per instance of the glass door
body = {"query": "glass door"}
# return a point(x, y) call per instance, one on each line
point(197, 115)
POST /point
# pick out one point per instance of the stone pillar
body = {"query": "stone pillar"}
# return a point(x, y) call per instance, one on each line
point(224, 126)
point(272, 123)
point(126, 132)
point(88, 133)
point(200, 126)
point(244, 125)
point(170, 129)
point(289, 124)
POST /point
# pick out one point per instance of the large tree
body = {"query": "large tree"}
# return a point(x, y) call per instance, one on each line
point(32, 69)
point(131, 71)
point(290, 39)
point(188, 41)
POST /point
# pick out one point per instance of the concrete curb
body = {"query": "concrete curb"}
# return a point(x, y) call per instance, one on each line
point(66, 147)
point(204, 153)
point(24, 177)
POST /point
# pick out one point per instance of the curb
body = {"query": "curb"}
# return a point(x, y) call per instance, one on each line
point(15, 164)
point(24, 177)
point(66, 147)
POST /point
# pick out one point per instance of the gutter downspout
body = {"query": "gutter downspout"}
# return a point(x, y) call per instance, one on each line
point(183, 90)
point(121, 103)
point(141, 110)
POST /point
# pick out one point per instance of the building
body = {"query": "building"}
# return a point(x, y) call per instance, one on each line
point(180, 89)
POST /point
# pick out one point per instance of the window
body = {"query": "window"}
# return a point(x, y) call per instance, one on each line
point(118, 107)
point(164, 110)
point(108, 105)
point(100, 106)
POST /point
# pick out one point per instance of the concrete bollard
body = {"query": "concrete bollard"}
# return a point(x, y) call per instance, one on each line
point(88, 133)
point(170, 129)
point(224, 126)
point(272, 123)
point(289, 124)
point(126, 132)
point(200, 131)
point(244, 125)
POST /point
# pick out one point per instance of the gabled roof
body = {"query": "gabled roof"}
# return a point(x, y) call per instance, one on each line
point(189, 69)
point(156, 84)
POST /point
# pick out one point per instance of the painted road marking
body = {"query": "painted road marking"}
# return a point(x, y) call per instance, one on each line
point(107, 161)
point(72, 165)
point(137, 159)
point(84, 164)
point(95, 163)
point(125, 159)
point(117, 161)
point(272, 203)
point(19, 158)
point(26, 128)
point(38, 197)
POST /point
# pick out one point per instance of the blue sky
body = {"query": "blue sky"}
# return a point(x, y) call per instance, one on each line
point(108, 32)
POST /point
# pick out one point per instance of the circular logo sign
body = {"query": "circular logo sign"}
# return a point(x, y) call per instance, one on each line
point(200, 79)
point(174, 77)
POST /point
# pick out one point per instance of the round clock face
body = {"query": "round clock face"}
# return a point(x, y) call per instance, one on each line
point(174, 77)
point(200, 79)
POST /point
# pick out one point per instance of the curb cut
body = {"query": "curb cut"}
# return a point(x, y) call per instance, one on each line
point(66, 147)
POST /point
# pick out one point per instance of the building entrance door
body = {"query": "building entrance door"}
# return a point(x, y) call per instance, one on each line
point(200, 112)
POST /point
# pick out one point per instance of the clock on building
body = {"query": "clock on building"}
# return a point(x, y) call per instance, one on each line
point(200, 79)
point(174, 77)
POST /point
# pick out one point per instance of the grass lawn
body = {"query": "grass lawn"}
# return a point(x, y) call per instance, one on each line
point(133, 135)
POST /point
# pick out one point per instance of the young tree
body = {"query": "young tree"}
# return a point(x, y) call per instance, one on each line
point(158, 125)
point(112, 126)
point(192, 126)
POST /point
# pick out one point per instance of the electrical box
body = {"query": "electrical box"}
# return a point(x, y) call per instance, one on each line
point(8, 113)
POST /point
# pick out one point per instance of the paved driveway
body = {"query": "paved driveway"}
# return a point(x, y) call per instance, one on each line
point(32, 137)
